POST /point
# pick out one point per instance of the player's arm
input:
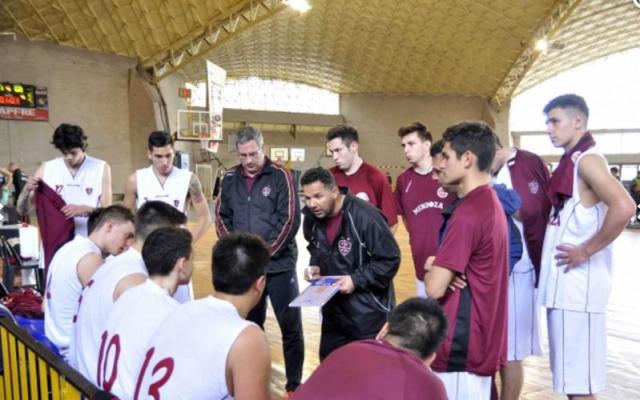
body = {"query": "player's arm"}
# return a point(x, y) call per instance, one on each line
point(107, 192)
point(130, 192)
point(594, 172)
point(25, 200)
point(437, 280)
point(8, 175)
point(387, 202)
point(249, 366)
point(201, 208)
point(127, 283)
point(87, 266)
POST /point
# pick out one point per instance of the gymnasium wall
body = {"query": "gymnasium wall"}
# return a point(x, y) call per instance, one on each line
point(101, 93)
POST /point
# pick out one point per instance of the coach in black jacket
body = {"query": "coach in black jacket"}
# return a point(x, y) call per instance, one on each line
point(349, 237)
point(261, 197)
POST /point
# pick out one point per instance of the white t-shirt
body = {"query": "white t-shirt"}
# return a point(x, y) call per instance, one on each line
point(173, 191)
point(189, 351)
point(94, 308)
point(585, 287)
point(63, 290)
point(83, 188)
point(131, 324)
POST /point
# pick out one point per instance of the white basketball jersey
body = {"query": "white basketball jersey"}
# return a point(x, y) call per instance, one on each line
point(504, 177)
point(189, 352)
point(585, 287)
point(63, 290)
point(173, 191)
point(83, 188)
point(94, 309)
point(131, 324)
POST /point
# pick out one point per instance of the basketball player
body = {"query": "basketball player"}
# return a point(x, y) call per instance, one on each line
point(474, 244)
point(394, 366)
point(363, 179)
point(206, 349)
point(111, 233)
point(82, 181)
point(138, 312)
point(117, 275)
point(260, 197)
point(419, 198)
point(163, 181)
point(527, 174)
point(589, 210)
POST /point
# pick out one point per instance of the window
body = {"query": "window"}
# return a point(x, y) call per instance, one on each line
point(271, 95)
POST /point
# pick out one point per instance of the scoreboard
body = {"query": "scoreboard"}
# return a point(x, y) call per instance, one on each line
point(23, 102)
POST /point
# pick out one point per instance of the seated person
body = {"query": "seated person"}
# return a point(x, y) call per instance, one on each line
point(401, 353)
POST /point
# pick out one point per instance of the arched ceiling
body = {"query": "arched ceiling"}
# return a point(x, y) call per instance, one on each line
point(423, 47)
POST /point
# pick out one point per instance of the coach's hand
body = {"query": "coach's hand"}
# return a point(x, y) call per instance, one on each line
point(345, 284)
point(311, 273)
point(570, 255)
point(458, 282)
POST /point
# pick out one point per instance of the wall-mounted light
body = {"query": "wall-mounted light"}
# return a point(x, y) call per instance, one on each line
point(542, 45)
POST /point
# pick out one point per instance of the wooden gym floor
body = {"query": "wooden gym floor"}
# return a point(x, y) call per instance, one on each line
point(623, 330)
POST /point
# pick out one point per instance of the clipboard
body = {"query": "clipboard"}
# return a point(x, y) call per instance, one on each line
point(318, 293)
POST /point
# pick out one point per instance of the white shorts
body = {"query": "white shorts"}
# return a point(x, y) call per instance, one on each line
point(577, 351)
point(421, 291)
point(524, 337)
point(465, 385)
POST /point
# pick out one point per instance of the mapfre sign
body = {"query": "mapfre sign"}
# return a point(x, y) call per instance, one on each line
point(23, 102)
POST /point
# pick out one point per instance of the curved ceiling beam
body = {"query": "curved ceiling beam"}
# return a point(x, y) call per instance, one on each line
point(217, 33)
point(551, 24)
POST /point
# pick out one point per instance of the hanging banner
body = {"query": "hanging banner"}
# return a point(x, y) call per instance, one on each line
point(216, 78)
point(23, 102)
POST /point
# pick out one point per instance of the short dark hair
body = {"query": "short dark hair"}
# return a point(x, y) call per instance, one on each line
point(157, 214)
point(418, 128)
point(247, 134)
point(347, 133)
point(568, 101)
point(100, 215)
point(67, 137)
point(420, 325)
point(318, 174)
point(238, 260)
point(164, 247)
point(476, 137)
point(436, 147)
point(159, 139)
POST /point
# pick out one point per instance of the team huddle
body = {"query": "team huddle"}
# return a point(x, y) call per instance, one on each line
point(493, 236)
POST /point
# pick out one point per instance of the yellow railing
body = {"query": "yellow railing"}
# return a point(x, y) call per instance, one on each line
point(31, 371)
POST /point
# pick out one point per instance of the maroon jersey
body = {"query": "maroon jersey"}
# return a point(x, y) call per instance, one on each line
point(371, 369)
point(530, 178)
point(475, 244)
point(370, 184)
point(420, 200)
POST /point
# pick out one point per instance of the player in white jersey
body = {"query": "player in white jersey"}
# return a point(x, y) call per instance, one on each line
point(590, 209)
point(164, 182)
point(205, 349)
point(138, 312)
point(73, 265)
point(116, 276)
point(84, 182)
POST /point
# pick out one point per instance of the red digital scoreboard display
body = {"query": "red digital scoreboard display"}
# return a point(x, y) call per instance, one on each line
point(23, 102)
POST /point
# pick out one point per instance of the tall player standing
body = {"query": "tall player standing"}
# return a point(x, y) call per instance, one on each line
point(164, 182)
point(420, 199)
point(83, 182)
